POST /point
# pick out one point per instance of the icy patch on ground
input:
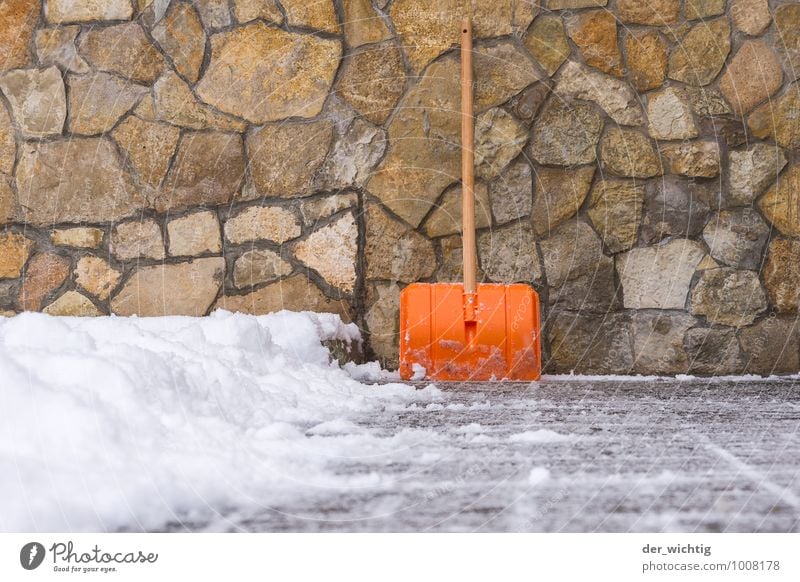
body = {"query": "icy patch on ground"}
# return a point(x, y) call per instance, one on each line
point(542, 435)
point(112, 423)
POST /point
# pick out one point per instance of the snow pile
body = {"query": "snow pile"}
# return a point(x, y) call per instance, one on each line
point(112, 423)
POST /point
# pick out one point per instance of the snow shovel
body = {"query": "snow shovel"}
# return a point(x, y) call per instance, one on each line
point(469, 332)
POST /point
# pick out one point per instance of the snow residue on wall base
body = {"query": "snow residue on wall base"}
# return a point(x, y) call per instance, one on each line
point(112, 423)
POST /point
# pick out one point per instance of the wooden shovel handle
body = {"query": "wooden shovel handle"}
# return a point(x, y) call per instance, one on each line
point(467, 159)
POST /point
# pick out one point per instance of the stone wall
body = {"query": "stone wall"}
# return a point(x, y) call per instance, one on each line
point(638, 162)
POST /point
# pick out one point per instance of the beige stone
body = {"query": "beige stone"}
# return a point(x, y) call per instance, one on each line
point(372, 81)
point(259, 266)
point(595, 34)
point(81, 237)
point(566, 134)
point(148, 146)
point(14, 252)
point(615, 209)
point(174, 102)
point(695, 9)
point(44, 274)
point(137, 239)
point(559, 195)
point(452, 267)
point(287, 175)
point(499, 138)
point(72, 304)
point(647, 59)
point(427, 29)
point(319, 14)
point(297, 293)
point(247, 10)
point(670, 116)
point(505, 70)
point(728, 297)
point(782, 274)
point(56, 46)
point(653, 12)
point(96, 276)
point(331, 251)
point(699, 159)
point(778, 119)
point(629, 153)
point(511, 194)
point(181, 36)
point(614, 96)
point(352, 157)
point(122, 49)
point(318, 209)
point(362, 25)
point(272, 223)
point(781, 204)
point(75, 180)
point(8, 144)
point(194, 234)
point(176, 289)
point(570, 4)
point(98, 100)
point(658, 277)
point(787, 36)
point(446, 217)
point(750, 16)
point(265, 74)
point(547, 42)
point(395, 252)
point(18, 19)
point(61, 11)
point(208, 170)
point(9, 207)
point(753, 75)
point(708, 102)
point(701, 54)
point(37, 99)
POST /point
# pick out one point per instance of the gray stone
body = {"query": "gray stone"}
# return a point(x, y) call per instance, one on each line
point(56, 46)
point(659, 277)
point(782, 274)
point(737, 237)
point(629, 153)
point(508, 254)
point(445, 219)
point(772, 346)
point(713, 351)
point(174, 102)
point(452, 268)
point(559, 196)
point(395, 252)
point(259, 266)
point(728, 297)
point(670, 116)
point(698, 159)
point(658, 341)
point(614, 96)
point(751, 171)
point(566, 134)
point(318, 209)
point(511, 193)
point(579, 275)
point(383, 322)
point(353, 156)
point(591, 344)
point(38, 100)
point(97, 101)
point(499, 138)
point(123, 49)
point(673, 206)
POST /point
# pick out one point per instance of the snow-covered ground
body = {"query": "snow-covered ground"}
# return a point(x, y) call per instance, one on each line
point(241, 423)
point(127, 423)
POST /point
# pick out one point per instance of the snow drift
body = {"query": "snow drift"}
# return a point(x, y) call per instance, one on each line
point(125, 423)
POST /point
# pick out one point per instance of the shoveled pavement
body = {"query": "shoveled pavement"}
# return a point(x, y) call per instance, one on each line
point(567, 456)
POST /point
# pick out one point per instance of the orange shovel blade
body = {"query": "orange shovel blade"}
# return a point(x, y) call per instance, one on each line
point(438, 342)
